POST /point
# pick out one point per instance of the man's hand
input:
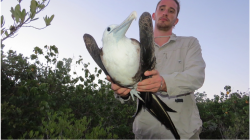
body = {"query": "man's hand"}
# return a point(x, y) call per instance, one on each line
point(152, 84)
point(123, 92)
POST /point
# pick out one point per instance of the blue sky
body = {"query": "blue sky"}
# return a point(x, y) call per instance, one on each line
point(221, 26)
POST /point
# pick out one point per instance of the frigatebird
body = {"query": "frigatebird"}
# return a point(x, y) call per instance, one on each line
point(125, 60)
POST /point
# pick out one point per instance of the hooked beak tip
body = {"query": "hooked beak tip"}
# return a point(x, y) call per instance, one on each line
point(134, 14)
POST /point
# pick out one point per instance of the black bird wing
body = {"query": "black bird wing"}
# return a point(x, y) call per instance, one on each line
point(94, 51)
point(152, 102)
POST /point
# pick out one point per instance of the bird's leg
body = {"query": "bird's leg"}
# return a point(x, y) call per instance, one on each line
point(136, 93)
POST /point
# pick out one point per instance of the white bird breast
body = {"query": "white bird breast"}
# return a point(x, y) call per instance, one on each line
point(121, 60)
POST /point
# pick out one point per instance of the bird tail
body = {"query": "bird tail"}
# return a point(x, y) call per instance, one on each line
point(158, 109)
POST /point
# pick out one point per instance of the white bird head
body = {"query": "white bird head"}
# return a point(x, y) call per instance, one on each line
point(114, 33)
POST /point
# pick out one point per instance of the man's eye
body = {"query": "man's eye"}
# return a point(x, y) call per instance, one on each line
point(172, 11)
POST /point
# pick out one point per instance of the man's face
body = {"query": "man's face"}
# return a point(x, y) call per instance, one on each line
point(165, 15)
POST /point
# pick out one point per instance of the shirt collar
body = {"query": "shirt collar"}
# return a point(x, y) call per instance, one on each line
point(173, 37)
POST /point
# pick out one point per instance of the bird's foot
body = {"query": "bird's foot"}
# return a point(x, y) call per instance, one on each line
point(134, 92)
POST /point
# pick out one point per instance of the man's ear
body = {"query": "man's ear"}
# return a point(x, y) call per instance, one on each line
point(176, 21)
point(153, 16)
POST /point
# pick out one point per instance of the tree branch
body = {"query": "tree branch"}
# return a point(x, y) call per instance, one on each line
point(35, 27)
point(28, 20)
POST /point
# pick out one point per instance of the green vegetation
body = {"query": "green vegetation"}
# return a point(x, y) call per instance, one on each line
point(45, 101)
point(226, 116)
point(42, 100)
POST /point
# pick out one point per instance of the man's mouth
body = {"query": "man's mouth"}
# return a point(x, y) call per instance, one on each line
point(164, 19)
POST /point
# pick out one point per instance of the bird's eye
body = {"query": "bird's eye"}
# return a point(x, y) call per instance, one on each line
point(108, 29)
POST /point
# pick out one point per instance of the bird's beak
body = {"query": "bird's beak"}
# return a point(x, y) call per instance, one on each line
point(121, 29)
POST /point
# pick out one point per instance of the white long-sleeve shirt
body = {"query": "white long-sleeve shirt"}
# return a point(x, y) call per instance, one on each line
point(180, 63)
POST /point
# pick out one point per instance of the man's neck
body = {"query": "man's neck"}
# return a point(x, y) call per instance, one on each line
point(161, 40)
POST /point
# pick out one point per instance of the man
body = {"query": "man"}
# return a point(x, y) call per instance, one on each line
point(180, 70)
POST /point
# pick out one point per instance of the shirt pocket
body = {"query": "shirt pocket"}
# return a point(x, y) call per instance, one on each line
point(173, 61)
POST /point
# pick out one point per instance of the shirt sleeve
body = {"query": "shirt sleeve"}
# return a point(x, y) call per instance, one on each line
point(121, 99)
point(193, 75)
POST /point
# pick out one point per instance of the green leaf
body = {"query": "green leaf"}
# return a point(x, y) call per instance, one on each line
point(13, 13)
point(33, 90)
point(54, 48)
point(59, 64)
point(81, 78)
point(24, 134)
point(36, 133)
point(48, 20)
point(31, 133)
point(99, 71)
point(33, 6)
point(85, 65)
point(6, 33)
point(41, 6)
point(17, 13)
point(17, 8)
point(23, 15)
point(33, 9)
point(12, 10)
point(51, 18)
point(2, 20)
point(33, 56)
point(38, 50)
point(52, 130)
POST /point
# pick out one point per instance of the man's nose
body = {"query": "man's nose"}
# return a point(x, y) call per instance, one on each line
point(165, 13)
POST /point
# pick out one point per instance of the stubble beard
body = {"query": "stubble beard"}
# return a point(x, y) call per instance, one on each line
point(164, 26)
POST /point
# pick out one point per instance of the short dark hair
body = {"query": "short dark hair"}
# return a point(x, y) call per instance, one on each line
point(178, 6)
